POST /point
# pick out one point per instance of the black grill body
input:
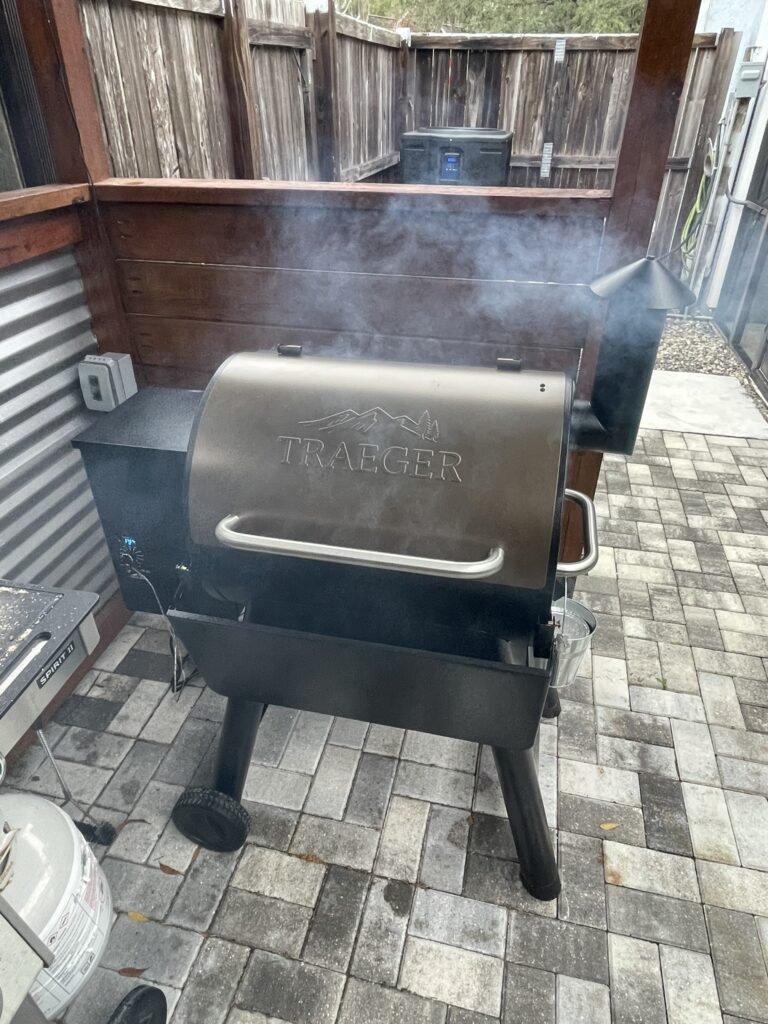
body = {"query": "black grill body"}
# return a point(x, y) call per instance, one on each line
point(471, 658)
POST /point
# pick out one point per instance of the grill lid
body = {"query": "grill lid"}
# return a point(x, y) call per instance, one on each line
point(443, 470)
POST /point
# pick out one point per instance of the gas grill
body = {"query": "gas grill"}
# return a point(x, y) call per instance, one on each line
point(372, 540)
point(45, 635)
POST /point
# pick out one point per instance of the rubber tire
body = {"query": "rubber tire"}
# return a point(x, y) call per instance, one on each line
point(143, 1005)
point(212, 819)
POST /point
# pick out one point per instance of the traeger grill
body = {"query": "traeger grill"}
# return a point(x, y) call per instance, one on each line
point(372, 540)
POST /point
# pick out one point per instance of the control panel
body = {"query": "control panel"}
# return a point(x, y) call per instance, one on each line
point(130, 556)
point(450, 166)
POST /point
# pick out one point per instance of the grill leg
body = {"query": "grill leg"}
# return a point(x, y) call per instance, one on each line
point(238, 734)
point(522, 798)
point(214, 818)
point(552, 704)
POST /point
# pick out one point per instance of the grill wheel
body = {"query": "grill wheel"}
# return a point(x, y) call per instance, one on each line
point(212, 819)
point(142, 1005)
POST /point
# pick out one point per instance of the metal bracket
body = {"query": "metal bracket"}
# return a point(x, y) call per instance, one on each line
point(509, 363)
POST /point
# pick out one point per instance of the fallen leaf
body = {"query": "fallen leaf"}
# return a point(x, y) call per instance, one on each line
point(132, 972)
point(136, 916)
point(311, 858)
point(609, 826)
point(195, 855)
point(168, 870)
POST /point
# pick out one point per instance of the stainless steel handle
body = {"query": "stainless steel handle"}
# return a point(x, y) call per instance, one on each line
point(227, 533)
point(589, 524)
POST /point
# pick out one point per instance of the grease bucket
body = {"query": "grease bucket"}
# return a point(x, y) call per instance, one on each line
point(575, 626)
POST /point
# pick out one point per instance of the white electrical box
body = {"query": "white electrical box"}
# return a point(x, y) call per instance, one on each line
point(748, 79)
point(106, 380)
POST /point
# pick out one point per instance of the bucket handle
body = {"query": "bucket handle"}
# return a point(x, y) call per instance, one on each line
point(591, 552)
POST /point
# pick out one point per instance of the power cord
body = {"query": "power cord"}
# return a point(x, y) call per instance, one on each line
point(179, 677)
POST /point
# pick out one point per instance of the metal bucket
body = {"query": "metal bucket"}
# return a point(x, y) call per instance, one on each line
point(573, 638)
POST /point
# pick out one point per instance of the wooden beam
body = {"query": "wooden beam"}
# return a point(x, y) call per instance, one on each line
point(241, 91)
point(363, 30)
point(582, 475)
point(57, 51)
point(24, 202)
point(97, 266)
point(26, 237)
point(590, 163)
point(502, 41)
point(379, 163)
point(662, 61)
point(444, 198)
point(322, 24)
point(214, 8)
point(307, 68)
point(270, 33)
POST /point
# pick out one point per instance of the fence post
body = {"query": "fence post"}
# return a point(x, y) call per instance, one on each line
point(241, 91)
point(321, 20)
point(555, 89)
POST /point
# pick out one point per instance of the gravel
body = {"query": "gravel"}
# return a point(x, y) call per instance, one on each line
point(696, 346)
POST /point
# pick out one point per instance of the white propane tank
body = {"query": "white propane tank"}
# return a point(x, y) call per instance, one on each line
point(56, 885)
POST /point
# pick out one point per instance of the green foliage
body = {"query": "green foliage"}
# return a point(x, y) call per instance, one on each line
point(507, 15)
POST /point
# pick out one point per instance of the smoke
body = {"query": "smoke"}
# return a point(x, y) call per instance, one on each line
point(412, 279)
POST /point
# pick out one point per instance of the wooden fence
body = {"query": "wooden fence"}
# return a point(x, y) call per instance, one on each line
point(259, 88)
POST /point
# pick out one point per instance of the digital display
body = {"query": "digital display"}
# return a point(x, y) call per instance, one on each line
point(450, 165)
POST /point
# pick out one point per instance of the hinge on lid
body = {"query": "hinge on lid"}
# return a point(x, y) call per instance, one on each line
point(508, 363)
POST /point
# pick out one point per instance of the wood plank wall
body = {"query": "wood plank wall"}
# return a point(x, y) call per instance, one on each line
point(368, 63)
point(211, 275)
point(160, 85)
point(577, 105)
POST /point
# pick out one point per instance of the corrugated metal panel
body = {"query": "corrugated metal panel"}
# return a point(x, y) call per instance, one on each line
point(49, 528)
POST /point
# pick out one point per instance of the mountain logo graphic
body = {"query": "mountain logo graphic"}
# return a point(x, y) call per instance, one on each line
point(362, 422)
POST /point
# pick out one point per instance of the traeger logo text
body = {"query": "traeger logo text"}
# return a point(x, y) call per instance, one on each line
point(56, 664)
point(366, 457)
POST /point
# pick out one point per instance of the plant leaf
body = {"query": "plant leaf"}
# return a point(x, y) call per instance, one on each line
point(168, 870)
point(609, 826)
point(136, 916)
point(132, 972)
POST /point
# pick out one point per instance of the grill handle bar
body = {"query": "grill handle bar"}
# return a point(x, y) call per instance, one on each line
point(591, 553)
point(228, 534)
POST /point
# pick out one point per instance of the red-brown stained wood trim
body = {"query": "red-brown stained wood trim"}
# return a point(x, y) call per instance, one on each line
point(24, 202)
point(560, 202)
point(59, 58)
point(448, 308)
point(583, 473)
point(202, 345)
point(660, 69)
point(97, 266)
point(26, 237)
point(492, 246)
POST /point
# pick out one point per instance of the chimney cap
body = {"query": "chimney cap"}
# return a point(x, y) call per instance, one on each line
point(651, 284)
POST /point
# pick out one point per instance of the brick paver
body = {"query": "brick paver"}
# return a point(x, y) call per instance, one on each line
point(380, 883)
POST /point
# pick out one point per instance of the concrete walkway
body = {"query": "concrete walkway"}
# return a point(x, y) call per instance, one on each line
point(380, 884)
